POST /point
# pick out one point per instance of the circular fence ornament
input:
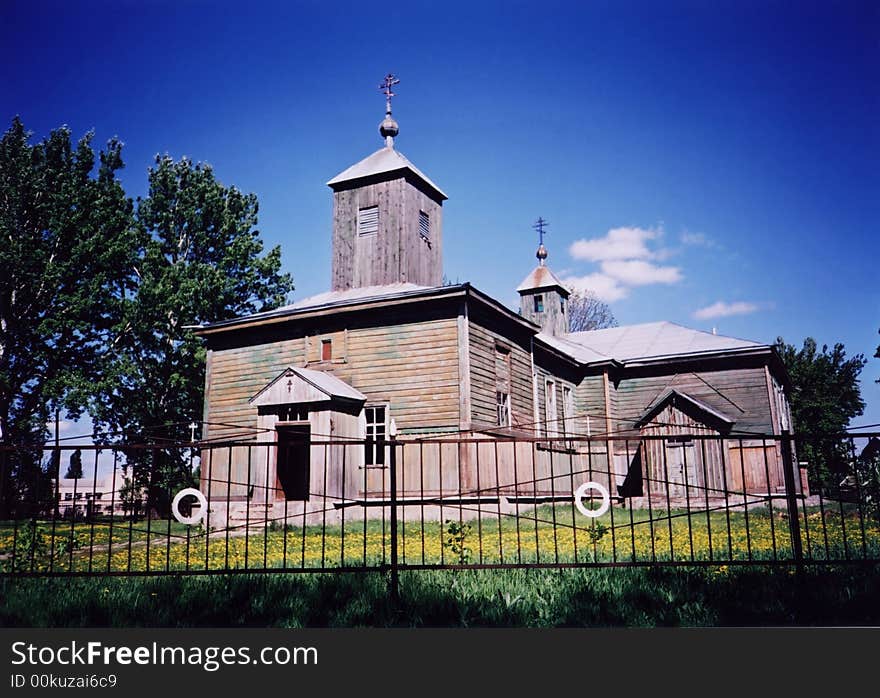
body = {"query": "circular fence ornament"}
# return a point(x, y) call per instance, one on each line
point(579, 495)
point(192, 518)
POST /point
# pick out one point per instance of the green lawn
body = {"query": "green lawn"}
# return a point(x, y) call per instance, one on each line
point(754, 596)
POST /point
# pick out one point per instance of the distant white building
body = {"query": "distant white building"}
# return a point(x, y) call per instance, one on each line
point(87, 497)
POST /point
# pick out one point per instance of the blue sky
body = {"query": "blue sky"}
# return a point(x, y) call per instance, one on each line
point(712, 164)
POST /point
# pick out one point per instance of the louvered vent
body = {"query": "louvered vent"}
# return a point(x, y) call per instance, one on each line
point(424, 225)
point(368, 221)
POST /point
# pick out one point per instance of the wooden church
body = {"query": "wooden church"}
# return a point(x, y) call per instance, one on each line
point(389, 343)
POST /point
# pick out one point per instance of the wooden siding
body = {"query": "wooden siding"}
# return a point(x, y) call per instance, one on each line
point(484, 335)
point(396, 253)
point(589, 400)
point(683, 469)
point(740, 393)
point(412, 366)
point(407, 356)
point(235, 375)
point(554, 318)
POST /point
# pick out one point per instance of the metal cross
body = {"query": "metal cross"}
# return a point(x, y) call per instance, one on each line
point(289, 385)
point(539, 225)
point(386, 85)
point(192, 431)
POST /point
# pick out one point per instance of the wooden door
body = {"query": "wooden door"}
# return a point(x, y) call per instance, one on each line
point(292, 465)
point(681, 467)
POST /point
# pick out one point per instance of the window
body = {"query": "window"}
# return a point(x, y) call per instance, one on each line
point(502, 402)
point(292, 413)
point(424, 226)
point(783, 414)
point(368, 220)
point(539, 304)
point(78, 495)
point(567, 410)
point(98, 495)
point(562, 305)
point(502, 385)
point(326, 349)
point(68, 496)
point(374, 448)
point(550, 406)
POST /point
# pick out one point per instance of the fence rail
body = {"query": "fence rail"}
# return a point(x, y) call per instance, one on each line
point(301, 505)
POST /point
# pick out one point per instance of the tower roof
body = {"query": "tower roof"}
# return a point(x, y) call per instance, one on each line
point(541, 277)
point(384, 161)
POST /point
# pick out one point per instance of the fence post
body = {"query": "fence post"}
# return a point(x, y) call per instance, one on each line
point(395, 580)
point(794, 522)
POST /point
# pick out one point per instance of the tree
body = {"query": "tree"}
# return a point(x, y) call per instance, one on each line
point(75, 467)
point(587, 312)
point(65, 248)
point(825, 396)
point(201, 260)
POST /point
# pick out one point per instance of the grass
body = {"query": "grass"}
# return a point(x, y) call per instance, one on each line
point(643, 597)
point(546, 535)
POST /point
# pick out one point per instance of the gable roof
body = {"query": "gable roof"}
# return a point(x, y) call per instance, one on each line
point(541, 277)
point(656, 340)
point(709, 415)
point(383, 161)
point(310, 386)
point(578, 352)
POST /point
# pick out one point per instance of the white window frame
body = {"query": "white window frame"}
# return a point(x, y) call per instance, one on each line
point(567, 409)
point(550, 412)
point(374, 453)
point(502, 405)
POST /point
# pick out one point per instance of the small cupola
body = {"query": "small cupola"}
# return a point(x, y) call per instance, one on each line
point(542, 297)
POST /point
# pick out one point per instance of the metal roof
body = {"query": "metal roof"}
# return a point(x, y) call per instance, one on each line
point(655, 339)
point(540, 277)
point(353, 294)
point(328, 383)
point(383, 160)
point(323, 382)
point(578, 352)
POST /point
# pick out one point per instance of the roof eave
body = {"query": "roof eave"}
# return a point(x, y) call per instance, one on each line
point(686, 356)
point(273, 317)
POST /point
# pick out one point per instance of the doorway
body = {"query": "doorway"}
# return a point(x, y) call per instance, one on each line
point(292, 466)
point(681, 465)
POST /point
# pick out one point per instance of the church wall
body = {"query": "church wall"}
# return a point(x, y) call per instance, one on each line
point(485, 334)
point(740, 393)
point(406, 357)
point(411, 365)
point(589, 401)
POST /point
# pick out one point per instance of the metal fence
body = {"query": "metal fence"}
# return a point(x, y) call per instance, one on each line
point(301, 505)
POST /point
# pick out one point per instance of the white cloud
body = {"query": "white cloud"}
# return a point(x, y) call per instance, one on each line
point(626, 258)
point(618, 243)
point(604, 287)
point(723, 309)
point(637, 272)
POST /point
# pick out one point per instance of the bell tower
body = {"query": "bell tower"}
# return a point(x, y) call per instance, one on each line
point(542, 297)
point(387, 217)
